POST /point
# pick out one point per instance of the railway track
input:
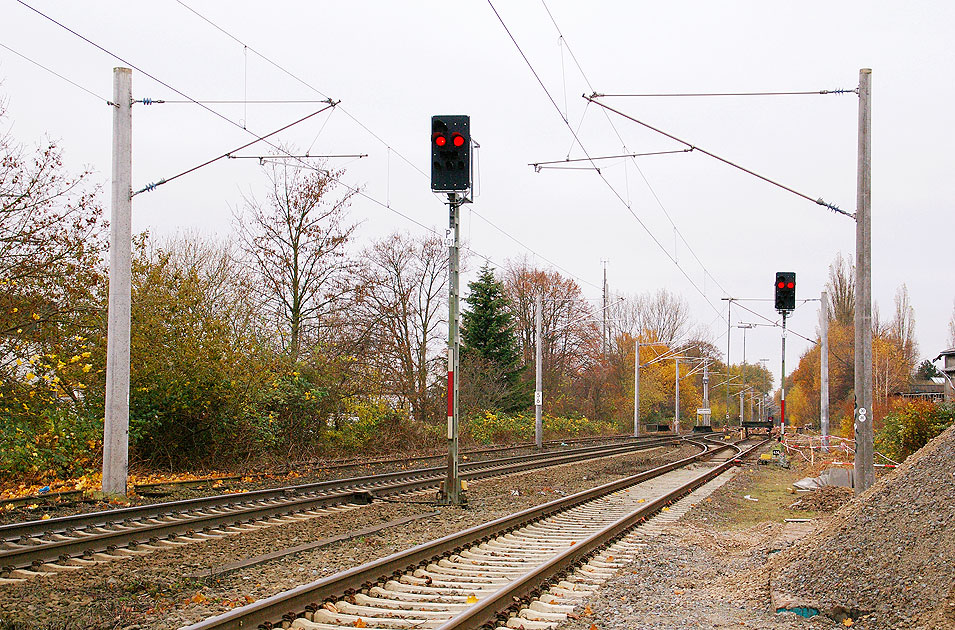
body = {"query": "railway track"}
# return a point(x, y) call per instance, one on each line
point(526, 570)
point(71, 543)
point(163, 488)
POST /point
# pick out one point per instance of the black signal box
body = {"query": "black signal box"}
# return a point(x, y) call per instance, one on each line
point(450, 153)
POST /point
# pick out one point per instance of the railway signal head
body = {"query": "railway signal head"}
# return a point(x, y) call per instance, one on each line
point(785, 290)
point(450, 153)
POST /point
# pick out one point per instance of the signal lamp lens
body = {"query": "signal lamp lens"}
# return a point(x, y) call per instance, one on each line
point(457, 139)
point(440, 140)
point(791, 285)
point(781, 285)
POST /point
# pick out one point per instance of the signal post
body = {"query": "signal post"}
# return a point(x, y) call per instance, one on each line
point(785, 302)
point(451, 173)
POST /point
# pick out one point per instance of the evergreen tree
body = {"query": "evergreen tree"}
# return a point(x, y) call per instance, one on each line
point(489, 340)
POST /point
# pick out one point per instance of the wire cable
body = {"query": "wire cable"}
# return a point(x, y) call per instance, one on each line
point(818, 201)
point(57, 74)
point(360, 124)
point(353, 189)
point(677, 94)
point(152, 187)
point(599, 174)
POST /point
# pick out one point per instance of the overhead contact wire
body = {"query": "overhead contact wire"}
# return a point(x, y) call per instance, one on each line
point(599, 174)
point(819, 201)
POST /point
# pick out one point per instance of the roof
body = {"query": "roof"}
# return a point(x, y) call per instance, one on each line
point(945, 353)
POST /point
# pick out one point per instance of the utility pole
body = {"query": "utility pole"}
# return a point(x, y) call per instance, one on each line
point(636, 387)
point(706, 395)
point(116, 425)
point(676, 402)
point(729, 309)
point(603, 341)
point(864, 462)
point(824, 371)
point(539, 387)
point(453, 494)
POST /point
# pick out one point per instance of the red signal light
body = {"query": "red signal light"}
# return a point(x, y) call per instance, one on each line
point(440, 140)
point(791, 285)
point(457, 139)
point(781, 285)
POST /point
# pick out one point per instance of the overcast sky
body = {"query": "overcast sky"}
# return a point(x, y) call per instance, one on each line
point(681, 221)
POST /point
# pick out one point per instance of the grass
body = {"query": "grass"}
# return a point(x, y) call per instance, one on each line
point(770, 485)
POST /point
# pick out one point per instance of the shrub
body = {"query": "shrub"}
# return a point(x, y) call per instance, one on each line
point(911, 427)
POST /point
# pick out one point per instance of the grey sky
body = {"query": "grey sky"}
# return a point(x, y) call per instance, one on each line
point(394, 64)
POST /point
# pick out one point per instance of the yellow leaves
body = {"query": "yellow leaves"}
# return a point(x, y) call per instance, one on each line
point(87, 367)
point(36, 317)
point(45, 517)
point(74, 358)
point(609, 558)
point(847, 622)
point(666, 509)
point(359, 623)
point(587, 611)
point(593, 626)
point(472, 599)
point(198, 598)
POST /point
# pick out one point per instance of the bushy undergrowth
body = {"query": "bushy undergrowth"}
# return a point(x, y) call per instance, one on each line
point(496, 428)
point(911, 427)
point(55, 444)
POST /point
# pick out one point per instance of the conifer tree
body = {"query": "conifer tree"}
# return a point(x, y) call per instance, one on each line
point(489, 339)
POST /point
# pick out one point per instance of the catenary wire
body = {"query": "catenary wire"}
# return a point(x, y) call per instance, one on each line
point(151, 187)
point(599, 174)
point(363, 126)
point(355, 190)
point(57, 74)
point(818, 201)
point(636, 165)
point(677, 94)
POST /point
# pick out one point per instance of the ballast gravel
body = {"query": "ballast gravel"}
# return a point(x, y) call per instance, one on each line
point(157, 591)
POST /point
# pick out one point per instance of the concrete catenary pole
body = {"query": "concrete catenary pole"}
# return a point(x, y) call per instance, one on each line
point(116, 426)
point(676, 400)
point(864, 463)
point(824, 370)
point(539, 378)
point(636, 387)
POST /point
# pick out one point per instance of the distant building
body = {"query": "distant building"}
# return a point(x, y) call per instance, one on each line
point(932, 390)
point(948, 369)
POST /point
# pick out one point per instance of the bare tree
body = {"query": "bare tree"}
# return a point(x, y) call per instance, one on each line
point(296, 242)
point(902, 327)
point(663, 316)
point(569, 323)
point(402, 293)
point(951, 329)
point(840, 290)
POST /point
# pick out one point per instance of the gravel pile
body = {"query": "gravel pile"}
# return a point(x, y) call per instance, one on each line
point(887, 559)
point(824, 499)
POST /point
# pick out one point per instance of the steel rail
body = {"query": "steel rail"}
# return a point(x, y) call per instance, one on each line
point(289, 604)
point(497, 605)
point(69, 496)
point(62, 524)
point(104, 537)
